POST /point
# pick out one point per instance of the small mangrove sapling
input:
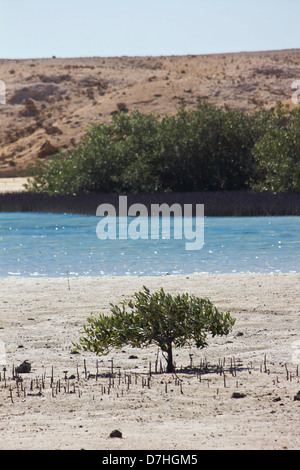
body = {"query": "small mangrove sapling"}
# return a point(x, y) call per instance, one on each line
point(157, 318)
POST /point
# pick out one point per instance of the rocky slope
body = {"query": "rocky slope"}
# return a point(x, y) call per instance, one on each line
point(51, 102)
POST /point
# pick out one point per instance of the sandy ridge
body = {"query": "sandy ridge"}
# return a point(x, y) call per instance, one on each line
point(51, 102)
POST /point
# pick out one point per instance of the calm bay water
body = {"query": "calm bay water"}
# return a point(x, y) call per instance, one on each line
point(54, 245)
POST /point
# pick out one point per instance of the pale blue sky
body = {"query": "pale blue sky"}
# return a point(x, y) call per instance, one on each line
point(76, 28)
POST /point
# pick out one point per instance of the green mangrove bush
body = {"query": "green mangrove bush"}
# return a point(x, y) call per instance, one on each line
point(205, 149)
point(157, 318)
point(277, 154)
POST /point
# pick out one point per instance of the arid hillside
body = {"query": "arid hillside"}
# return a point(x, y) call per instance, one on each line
point(51, 102)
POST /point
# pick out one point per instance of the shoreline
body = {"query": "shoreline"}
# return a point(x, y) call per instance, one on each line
point(216, 203)
point(15, 198)
point(41, 317)
point(9, 185)
point(144, 276)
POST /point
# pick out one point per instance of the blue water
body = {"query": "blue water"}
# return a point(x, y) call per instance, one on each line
point(55, 245)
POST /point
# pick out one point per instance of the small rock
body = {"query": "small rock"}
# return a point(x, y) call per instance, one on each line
point(50, 130)
point(47, 149)
point(122, 107)
point(24, 368)
point(38, 394)
point(297, 396)
point(116, 433)
point(238, 395)
point(30, 108)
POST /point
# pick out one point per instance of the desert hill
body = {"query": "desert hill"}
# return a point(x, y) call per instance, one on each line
point(51, 102)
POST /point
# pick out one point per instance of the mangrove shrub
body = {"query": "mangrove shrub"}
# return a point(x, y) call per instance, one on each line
point(157, 318)
point(205, 149)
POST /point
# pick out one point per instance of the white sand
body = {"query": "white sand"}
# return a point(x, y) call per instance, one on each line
point(39, 319)
point(8, 185)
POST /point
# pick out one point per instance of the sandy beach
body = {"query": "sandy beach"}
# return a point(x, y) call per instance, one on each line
point(71, 401)
point(12, 185)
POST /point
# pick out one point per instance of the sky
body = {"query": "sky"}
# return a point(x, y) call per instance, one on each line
point(76, 28)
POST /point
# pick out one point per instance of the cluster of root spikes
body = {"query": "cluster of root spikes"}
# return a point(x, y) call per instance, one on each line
point(21, 384)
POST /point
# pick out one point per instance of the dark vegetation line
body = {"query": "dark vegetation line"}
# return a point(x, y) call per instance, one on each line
point(218, 203)
point(206, 149)
point(233, 162)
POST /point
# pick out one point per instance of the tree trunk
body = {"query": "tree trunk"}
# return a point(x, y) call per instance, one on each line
point(170, 365)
